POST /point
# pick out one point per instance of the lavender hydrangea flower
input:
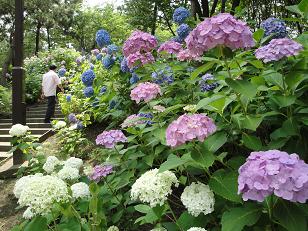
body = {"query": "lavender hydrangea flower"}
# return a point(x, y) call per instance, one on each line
point(183, 31)
point(80, 125)
point(145, 91)
point(124, 66)
point(62, 72)
point(108, 61)
point(278, 49)
point(100, 171)
point(102, 38)
point(110, 138)
point(170, 47)
point(275, 27)
point(180, 15)
point(178, 39)
point(222, 29)
point(88, 77)
point(273, 172)
point(72, 118)
point(95, 52)
point(88, 92)
point(189, 127)
point(78, 61)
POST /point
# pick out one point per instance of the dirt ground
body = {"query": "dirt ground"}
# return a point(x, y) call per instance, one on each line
point(9, 216)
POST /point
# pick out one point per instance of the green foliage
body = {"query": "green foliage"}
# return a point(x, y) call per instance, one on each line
point(5, 100)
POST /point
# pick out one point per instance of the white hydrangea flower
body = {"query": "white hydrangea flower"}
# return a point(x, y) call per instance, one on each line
point(73, 162)
point(41, 193)
point(190, 107)
point(18, 130)
point(153, 187)
point(80, 190)
point(50, 164)
point(198, 198)
point(196, 229)
point(28, 214)
point(159, 229)
point(68, 173)
point(23, 182)
point(73, 127)
point(113, 228)
point(88, 170)
point(60, 124)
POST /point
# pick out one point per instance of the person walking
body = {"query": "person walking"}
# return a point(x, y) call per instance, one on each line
point(50, 83)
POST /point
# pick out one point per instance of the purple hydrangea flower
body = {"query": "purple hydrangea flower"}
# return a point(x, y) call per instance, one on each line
point(180, 15)
point(100, 171)
point(171, 47)
point(72, 118)
point(95, 52)
point(62, 72)
point(145, 91)
point(189, 127)
point(124, 66)
point(205, 85)
point(88, 77)
point(273, 172)
point(139, 58)
point(102, 38)
point(110, 138)
point(163, 76)
point(278, 49)
point(222, 29)
point(80, 125)
point(68, 98)
point(274, 26)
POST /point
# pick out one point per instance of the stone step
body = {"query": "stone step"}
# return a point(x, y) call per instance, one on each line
point(30, 125)
point(32, 116)
point(43, 107)
point(29, 120)
point(7, 138)
point(5, 146)
point(34, 131)
point(7, 169)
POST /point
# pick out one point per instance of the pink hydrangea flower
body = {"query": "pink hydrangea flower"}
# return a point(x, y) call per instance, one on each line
point(131, 121)
point(186, 55)
point(278, 49)
point(273, 171)
point(170, 47)
point(145, 91)
point(139, 42)
point(110, 138)
point(133, 59)
point(222, 29)
point(189, 127)
point(100, 171)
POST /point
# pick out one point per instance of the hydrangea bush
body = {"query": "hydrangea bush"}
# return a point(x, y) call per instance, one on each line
point(210, 125)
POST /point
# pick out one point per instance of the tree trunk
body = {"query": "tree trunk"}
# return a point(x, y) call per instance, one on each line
point(196, 9)
point(154, 19)
point(223, 6)
point(48, 38)
point(214, 7)
point(5, 67)
point(37, 37)
point(205, 8)
point(167, 21)
point(235, 4)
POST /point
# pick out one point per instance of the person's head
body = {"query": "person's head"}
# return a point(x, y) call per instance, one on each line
point(52, 67)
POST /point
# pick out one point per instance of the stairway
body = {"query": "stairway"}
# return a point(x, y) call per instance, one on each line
point(35, 120)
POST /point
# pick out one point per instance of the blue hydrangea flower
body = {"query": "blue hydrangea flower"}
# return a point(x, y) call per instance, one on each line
point(102, 38)
point(112, 104)
point(134, 79)
point(183, 31)
point(147, 116)
point(112, 49)
point(62, 72)
point(163, 76)
point(205, 85)
point(72, 118)
point(275, 27)
point(80, 125)
point(88, 92)
point(68, 98)
point(108, 61)
point(95, 103)
point(99, 57)
point(88, 77)
point(92, 66)
point(177, 39)
point(103, 90)
point(124, 67)
point(180, 15)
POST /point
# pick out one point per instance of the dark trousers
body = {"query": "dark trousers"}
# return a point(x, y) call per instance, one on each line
point(50, 108)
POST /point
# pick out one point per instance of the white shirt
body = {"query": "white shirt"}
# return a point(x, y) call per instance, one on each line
point(50, 82)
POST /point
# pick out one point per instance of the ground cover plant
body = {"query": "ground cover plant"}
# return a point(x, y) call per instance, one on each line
point(205, 131)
